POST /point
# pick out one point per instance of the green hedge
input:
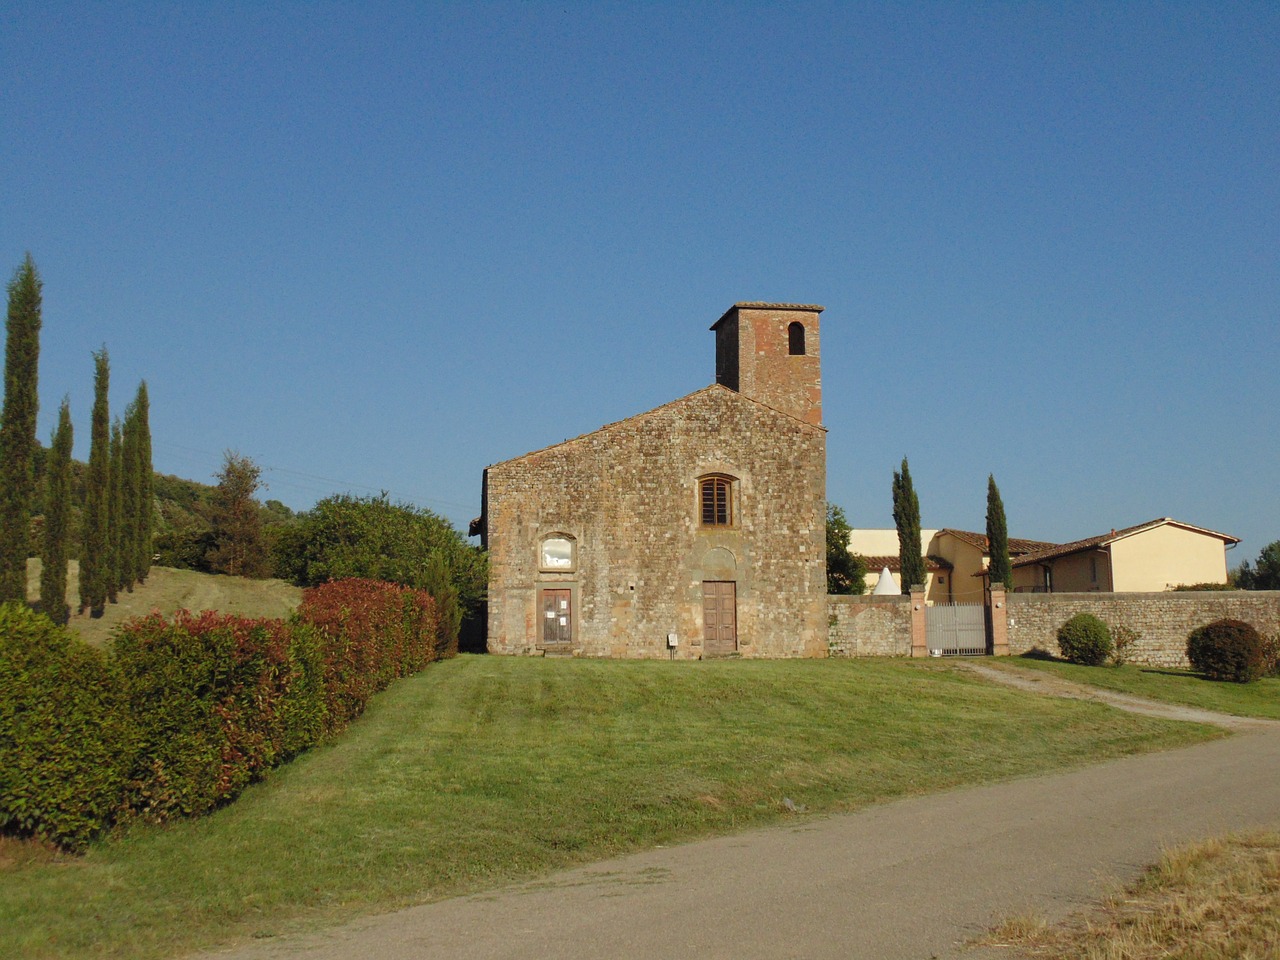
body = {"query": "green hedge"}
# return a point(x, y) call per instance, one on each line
point(64, 746)
point(216, 700)
point(188, 710)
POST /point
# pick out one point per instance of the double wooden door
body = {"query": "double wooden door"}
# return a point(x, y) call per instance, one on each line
point(719, 617)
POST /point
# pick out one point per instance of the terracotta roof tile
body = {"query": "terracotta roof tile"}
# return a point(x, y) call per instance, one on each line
point(1017, 545)
point(876, 564)
point(1106, 539)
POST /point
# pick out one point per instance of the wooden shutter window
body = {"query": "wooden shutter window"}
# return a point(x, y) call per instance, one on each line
point(717, 502)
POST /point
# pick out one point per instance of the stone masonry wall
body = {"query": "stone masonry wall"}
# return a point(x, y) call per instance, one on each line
point(1162, 619)
point(868, 626)
point(627, 497)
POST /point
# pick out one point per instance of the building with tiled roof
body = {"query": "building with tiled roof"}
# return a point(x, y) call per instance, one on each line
point(1157, 555)
point(955, 560)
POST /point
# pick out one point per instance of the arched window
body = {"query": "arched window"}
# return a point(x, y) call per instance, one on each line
point(716, 496)
point(556, 553)
point(795, 339)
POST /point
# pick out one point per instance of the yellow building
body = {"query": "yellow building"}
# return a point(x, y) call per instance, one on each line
point(969, 556)
point(1150, 557)
point(955, 560)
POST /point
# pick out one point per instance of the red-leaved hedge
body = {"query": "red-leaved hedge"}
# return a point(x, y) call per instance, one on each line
point(216, 700)
point(189, 710)
point(371, 632)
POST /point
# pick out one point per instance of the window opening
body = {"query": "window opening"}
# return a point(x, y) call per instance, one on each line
point(556, 554)
point(795, 339)
point(717, 501)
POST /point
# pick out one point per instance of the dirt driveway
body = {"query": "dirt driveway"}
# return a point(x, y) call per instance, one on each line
point(912, 879)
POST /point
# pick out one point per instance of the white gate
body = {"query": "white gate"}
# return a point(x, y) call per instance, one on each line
point(956, 629)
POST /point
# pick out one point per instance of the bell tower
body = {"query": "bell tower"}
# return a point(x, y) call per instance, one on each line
point(770, 353)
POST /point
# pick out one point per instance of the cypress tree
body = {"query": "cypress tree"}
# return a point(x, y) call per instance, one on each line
point(146, 509)
point(130, 506)
point(906, 517)
point(18, 429)
point(97, 502)
point(1000, 569)
point(115, 513)
point(57, 513)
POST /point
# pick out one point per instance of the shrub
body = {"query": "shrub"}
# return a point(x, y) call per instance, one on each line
point(1200, 587)
point(370, 633)
point(1085, 639)
point(64, 751)
point(1123, 640)
point(1271, 654)
point(215, 701)
point(192, 709)
point(345, 537)
point(1228, 650)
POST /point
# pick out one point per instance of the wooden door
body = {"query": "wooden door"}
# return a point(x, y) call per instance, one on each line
point(557, 616)
point(719, 617)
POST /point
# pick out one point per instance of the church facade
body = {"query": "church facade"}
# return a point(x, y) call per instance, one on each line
point(696, 529)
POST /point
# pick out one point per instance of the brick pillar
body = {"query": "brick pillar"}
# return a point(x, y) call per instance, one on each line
point(998, 610)
point(919, 646)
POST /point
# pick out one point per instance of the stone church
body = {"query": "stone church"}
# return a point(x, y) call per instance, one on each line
point(694, 530)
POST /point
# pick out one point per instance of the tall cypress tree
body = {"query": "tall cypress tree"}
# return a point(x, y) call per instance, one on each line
point(146, 509)
point(18, 429)
point(97, 500)
point(906, 517)
point(115, 514)
point(57, 514)
point(130, 507)
point(1000, 569)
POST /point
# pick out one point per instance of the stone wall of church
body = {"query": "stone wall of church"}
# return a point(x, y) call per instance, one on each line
point(626, 498)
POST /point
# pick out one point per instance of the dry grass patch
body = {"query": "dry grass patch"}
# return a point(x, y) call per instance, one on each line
point(1215, 900)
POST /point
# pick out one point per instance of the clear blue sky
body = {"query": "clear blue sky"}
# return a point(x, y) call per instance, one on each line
point(379, 246)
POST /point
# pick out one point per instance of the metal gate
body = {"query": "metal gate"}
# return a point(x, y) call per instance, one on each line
point(956, 629)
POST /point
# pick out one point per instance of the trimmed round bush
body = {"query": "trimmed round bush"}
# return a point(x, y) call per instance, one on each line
point(1085, 639)
point(1228, 650)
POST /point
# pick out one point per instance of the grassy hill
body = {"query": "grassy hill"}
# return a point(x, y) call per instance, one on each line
point(483, 770)
point(168, 590)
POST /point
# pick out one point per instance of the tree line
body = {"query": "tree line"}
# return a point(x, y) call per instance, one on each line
point(114, 542)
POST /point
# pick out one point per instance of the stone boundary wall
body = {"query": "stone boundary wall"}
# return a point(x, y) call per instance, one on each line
point(868, 626)
point(1162, 619)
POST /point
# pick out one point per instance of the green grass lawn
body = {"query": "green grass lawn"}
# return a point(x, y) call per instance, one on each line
point(1259, 699)
point(484, 770)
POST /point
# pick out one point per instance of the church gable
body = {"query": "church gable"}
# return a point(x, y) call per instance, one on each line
point(699, 523)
